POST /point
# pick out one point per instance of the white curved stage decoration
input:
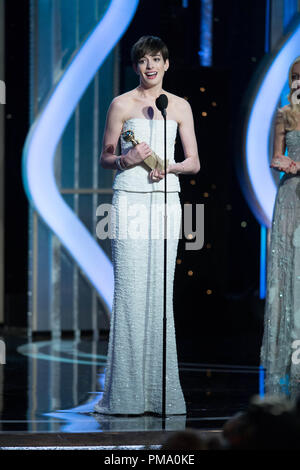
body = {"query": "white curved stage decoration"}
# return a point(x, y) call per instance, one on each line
point(44, 136)
point(262, 187)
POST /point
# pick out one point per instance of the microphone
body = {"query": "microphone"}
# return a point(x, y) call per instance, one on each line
point(162, 104)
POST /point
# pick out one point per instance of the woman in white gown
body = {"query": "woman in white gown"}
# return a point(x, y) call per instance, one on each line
point(279, 353)
point(133, 379)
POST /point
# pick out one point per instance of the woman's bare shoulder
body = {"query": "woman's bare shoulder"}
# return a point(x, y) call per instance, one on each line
point(122, 104)
point(178, 100)
point(280, 114)
point(179, 107)
point(123, 100)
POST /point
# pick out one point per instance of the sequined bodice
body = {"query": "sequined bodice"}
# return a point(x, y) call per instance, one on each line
point(136, 178)
point(293, 148)
point(293, 144)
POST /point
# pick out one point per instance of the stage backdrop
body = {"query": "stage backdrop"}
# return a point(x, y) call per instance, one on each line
point(2, 114)
point(60, 297)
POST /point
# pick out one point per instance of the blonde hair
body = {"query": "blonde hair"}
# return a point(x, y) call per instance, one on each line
point(289, 113)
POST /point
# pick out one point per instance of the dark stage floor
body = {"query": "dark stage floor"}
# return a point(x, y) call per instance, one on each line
point(48, 388)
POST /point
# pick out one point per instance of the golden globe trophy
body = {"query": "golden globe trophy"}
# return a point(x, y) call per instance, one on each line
point(153, 161)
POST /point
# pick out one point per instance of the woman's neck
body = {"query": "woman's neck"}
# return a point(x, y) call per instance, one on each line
point(150, 94)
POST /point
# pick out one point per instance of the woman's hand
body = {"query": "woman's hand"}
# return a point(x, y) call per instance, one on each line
point(138, 154)
point(283, 163)
point(293, 168)
point(157, 175)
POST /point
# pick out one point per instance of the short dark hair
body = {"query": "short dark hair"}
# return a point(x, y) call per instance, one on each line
point(148, 44)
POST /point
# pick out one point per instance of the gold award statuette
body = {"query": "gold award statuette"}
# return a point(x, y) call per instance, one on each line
point(153, 161)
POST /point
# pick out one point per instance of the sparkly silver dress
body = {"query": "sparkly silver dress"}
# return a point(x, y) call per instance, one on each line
point(133, 378)
point(282, 309)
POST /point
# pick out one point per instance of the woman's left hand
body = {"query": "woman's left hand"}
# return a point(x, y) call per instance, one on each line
point(293, 168)
point(285, 163)
point(157, 175)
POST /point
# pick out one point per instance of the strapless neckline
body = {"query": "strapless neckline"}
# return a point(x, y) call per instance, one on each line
point(149, 120)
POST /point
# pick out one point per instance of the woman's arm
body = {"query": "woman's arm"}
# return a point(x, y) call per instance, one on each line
point(113, 127)
point(279, 160)
point(191, 163)
point(112, 131)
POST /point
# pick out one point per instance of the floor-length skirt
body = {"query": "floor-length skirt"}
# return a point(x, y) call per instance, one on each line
point(280, 353)
point(133, 378)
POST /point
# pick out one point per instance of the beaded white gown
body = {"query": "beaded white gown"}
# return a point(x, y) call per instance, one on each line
point(133, 378)
point(282, 308)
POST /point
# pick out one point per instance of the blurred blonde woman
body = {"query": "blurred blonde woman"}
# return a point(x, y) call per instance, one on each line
point(279, 353)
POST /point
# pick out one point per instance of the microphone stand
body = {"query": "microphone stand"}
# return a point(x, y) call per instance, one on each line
point(164, 113)
point(162, 103)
